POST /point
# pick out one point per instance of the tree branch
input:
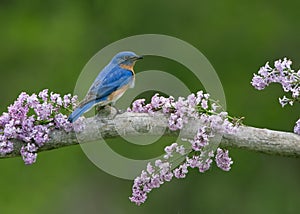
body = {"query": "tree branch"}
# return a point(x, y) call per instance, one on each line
point(137, 124)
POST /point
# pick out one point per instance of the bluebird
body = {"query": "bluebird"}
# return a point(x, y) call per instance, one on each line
point(110, 84)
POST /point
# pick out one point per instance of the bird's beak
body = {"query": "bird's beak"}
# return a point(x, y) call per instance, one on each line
point(137, 57)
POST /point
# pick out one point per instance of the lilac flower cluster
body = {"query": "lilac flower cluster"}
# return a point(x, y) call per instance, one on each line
point(196, 106)
point(31, 118)
point(283, 74)
point(223, 160)
point(152, 178)
point(197, 154)
point(162, 171)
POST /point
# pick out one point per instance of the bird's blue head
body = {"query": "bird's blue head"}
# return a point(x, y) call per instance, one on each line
point(126, 59)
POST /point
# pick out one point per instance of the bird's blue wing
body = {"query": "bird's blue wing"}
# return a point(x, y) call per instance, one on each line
point(106, 84)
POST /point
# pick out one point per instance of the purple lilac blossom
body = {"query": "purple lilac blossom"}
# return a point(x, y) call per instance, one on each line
point(29, 154)
point(44, 95)
point(204, 165)
point(31, 118)
point(283, 74)
point(181, 171)
point(32, 101)
point(200, 139)
point(149, 180)
point(138, 106)
point(223, 160)
point(6, 147)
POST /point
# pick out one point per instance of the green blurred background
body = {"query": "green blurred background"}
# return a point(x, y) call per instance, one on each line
point(45, 44)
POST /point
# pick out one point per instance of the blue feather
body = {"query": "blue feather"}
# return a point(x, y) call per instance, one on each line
point(80, 111)
point(117, 78)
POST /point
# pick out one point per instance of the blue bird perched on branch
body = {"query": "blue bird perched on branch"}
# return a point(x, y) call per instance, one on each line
point(110, 84)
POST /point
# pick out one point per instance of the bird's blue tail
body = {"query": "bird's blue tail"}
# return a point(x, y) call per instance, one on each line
point(80, 111)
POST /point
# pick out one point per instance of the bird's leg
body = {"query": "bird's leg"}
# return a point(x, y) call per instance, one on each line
point(113, 111)
point(118, 111)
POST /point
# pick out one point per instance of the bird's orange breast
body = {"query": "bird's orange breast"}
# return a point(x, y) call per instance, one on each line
point(128, 67)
